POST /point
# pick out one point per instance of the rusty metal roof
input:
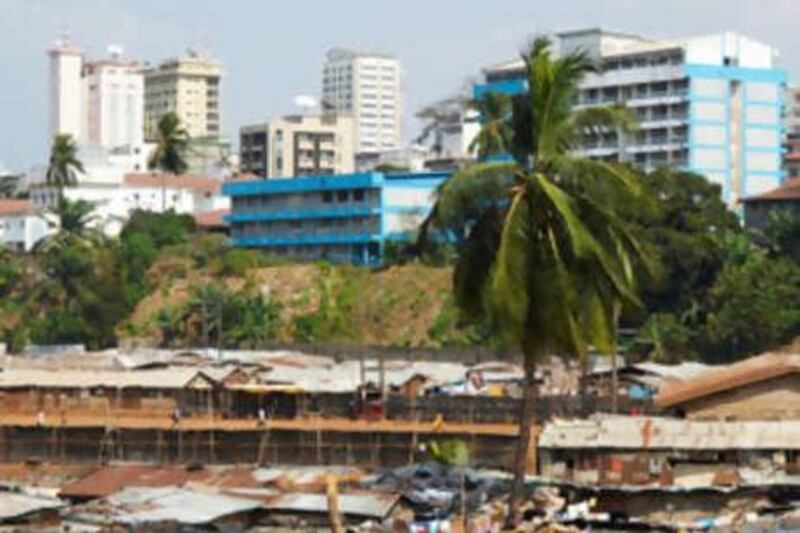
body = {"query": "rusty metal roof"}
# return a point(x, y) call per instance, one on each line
point(172, 378)
point(367, 505)
point(661, 433)
point(110, 479)
point(763, 367)
point(14, 505)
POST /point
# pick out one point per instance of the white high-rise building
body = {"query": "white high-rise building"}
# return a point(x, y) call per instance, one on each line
point(369, 86)
point(114, 97)
point(66, 90)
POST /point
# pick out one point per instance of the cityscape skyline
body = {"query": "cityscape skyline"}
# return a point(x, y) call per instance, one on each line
point(436, 62)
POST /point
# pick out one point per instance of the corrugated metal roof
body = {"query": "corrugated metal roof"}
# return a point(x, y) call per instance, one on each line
point(146, 505)
point(367, 505)
point(14, 505)
point(682, 371)
point(638, 433)
point(173, 378)
point(753, 370)
point(107, 480)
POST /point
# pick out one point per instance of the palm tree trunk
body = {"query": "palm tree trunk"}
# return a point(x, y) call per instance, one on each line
point(527, 418)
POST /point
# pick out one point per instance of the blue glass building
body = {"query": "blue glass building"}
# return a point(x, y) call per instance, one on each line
point(343, 218)
point(709, 104)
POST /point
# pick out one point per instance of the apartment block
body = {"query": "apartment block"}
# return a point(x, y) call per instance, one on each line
point(114, 96)
point(298, 145)
point(343, 218)
point(188, 86)
point(709, 104)
point(368, 86)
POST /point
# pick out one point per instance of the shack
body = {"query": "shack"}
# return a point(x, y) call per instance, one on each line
point(136, 393)
point(609, 449)
point(766, 387)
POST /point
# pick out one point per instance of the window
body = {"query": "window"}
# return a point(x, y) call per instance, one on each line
point(358, 195)
point(341, 196)
point(327, 197)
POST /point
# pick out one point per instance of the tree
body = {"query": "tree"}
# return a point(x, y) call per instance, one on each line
point(752, 307)
point(64, 165)
point(494, 135)
point(783, 235)
point(75, 225)
point(168, 155)
point(556, 265)
point(687, 236)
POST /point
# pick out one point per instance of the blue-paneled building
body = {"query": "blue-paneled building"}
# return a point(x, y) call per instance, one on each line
point(709, 104)
point(343, 218)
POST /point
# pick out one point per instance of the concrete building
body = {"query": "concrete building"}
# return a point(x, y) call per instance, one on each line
point(65, 90)
point(344, 218)
point(114, 96)
point(791, 156)
point(115, 191)
point(709, 104)
point(450, 127)
point(188, 86)
point(370, 87)
point(298, 145)
point(21, 225)
point(785, 200)
point(792, 111)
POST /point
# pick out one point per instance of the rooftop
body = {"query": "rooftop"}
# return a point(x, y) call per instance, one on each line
point(172, 181)
point(15, 207)
point(749, 371)
point(638, 433)
point(790, 190)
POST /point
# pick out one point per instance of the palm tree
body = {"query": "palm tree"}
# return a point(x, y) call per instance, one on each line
point(494, 136)
point(75, 223)
point(168, 155)
point(545, 253)
point(64, 165)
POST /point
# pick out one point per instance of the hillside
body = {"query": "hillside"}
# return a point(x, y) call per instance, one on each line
point(406, 305)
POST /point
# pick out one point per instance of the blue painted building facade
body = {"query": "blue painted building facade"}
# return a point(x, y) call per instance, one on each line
point(710, 104)
point(342, 218)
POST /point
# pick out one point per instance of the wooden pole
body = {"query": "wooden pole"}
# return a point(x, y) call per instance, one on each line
point(333, 504)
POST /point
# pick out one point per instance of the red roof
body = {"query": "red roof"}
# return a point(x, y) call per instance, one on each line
point(790, 190)
point(212, 219)
point(15, 207)
point(172, 181)
point(743, 373)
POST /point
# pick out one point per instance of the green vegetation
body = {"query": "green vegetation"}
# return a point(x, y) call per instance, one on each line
point(545, 253)
point(64, 165)
point(170, 149)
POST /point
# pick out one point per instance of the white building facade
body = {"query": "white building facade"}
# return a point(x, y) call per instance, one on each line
point(114, 96)
point(21, 225)
point(65, 90)
point(710, 104)
point(370, 87)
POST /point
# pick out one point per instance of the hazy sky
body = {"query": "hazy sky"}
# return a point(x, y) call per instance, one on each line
point(272, 50)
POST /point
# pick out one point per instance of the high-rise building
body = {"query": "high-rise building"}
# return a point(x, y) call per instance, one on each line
point(66, 90)
point(298, 145)
point(188, 86)
point(369, 86)
point(709, 104)
point(792, 110)
point(114, 96)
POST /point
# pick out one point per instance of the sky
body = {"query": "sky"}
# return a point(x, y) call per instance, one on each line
point(272, 50)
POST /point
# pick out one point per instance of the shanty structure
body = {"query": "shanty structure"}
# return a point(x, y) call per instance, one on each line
point(766, 387)
point(23, 510)
point(121, 393)
point(610, 449)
